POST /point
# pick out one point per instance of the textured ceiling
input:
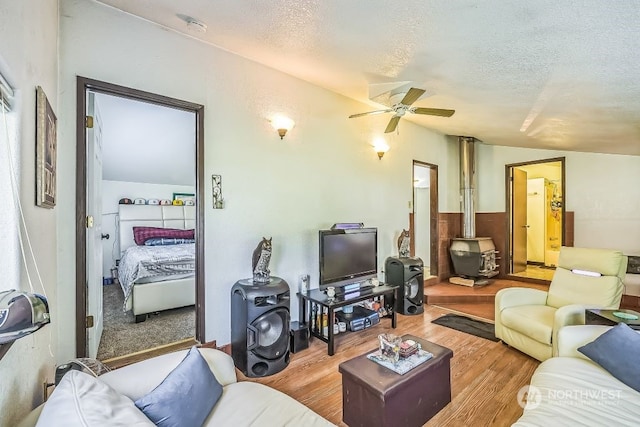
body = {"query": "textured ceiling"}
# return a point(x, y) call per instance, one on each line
point(545, 73)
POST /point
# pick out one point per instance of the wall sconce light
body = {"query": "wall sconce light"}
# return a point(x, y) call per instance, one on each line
point(282, 124)
point(380, 147)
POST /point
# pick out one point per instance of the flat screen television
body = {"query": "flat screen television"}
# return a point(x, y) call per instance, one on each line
point(348, 256)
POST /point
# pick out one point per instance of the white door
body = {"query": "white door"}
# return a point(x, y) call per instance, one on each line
point(422, 214)
point(94, 226)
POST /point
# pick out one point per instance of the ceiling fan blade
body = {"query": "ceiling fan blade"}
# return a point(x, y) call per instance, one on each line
point(433, 111)
point(412, 96)
point(370, 113)
point(393, 124)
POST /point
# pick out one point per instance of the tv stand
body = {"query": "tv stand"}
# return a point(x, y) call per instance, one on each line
point(316, 301)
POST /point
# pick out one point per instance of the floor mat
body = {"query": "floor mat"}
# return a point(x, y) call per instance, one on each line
point(468, 325)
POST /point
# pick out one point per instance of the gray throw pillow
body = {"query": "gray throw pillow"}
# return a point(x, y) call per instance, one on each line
point(185, 397)
point(617, 351)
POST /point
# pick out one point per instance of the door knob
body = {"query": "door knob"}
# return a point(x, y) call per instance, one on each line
point(104, 236)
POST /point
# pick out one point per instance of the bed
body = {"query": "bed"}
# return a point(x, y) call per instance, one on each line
point(168, 286)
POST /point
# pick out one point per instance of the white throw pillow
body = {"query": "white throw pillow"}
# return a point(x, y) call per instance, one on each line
point(82, 400)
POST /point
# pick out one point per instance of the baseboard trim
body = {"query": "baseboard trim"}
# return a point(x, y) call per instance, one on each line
point(128, 359)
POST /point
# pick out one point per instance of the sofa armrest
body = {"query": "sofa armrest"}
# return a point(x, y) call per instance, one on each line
point(568, 315)
point(513, 297)
point(138, 379)
point(570, 338)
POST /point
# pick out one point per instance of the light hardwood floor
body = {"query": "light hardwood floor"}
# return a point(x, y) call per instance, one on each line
point(485, 375)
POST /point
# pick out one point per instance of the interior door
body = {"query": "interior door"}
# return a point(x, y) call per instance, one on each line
point(518, 220)
point(94, 226)
point(422, 223)
point(423, 218)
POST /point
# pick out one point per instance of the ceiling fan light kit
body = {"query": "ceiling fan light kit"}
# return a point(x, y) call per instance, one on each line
point(400, 108)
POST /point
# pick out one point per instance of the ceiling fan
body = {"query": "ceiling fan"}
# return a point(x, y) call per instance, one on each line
point(400, 108)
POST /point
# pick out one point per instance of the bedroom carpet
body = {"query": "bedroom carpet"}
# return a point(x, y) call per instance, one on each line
point(122, 336)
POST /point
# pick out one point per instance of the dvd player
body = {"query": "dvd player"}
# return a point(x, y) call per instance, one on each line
point(360, 319)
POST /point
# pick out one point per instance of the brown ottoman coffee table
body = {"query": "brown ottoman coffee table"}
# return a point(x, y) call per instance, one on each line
point(373, 395)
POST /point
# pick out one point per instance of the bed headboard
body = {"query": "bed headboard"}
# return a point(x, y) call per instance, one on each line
point(129, 216)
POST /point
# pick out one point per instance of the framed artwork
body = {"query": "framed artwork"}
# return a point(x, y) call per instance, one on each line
point(216, 191)
point(187, 198)
point(46, 147)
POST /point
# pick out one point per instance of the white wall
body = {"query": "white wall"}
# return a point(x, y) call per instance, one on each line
point(602, 190)
point(112, 192)
point(324, 171)
point(28, 58)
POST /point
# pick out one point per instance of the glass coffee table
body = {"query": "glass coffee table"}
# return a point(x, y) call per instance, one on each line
point(593, 316)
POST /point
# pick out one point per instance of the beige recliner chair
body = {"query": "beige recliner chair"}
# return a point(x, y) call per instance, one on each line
point(529, 319)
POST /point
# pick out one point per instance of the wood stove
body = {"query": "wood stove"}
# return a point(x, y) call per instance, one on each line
point(474, 258)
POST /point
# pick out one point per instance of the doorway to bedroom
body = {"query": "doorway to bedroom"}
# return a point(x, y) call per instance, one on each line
point(140, 273)
point(423, 218)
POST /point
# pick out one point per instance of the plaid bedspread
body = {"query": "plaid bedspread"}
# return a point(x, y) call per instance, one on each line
point(139, 262)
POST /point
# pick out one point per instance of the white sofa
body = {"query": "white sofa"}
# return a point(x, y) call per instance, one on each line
point(241, 404)
point(572, 390)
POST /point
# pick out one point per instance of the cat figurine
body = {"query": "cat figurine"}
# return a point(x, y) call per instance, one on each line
point(403, 244)
point(260, 264)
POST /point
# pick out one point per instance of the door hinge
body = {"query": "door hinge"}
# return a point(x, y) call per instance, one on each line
point(89, 221)
point(89, 322)
point(88, 122)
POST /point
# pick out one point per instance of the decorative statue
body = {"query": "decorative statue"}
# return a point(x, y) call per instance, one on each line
point(261, 258)
point(403, 244)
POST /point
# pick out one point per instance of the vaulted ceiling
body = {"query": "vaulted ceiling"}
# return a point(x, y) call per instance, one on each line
point(545, 74)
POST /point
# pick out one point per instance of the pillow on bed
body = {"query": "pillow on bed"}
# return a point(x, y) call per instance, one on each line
point(142, 234)
point(163, 241)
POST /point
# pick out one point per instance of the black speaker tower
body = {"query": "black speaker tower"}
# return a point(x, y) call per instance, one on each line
point(260, 326)
point(408, 274)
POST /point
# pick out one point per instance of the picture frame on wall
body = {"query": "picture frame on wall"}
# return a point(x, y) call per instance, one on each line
point(46, 151)
point(186, 198)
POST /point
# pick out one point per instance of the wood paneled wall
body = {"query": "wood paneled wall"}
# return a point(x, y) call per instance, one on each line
point(569, 221)
point(449, 226)
point(494, 225)
point(488, 224)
